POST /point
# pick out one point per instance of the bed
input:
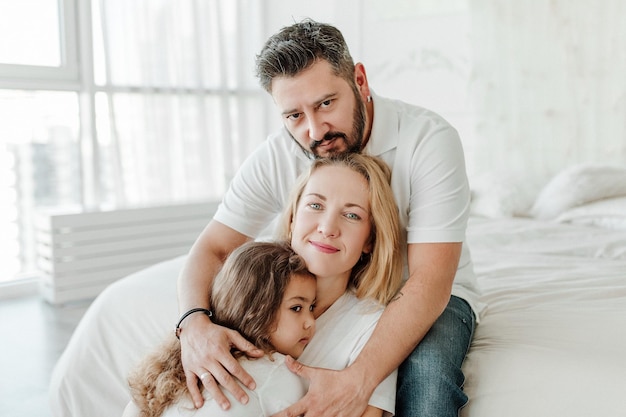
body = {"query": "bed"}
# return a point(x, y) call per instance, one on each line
point(552, 268)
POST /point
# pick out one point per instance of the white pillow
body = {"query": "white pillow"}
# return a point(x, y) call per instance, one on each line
point(609, 213)
point(579, 185)
point(499, 195)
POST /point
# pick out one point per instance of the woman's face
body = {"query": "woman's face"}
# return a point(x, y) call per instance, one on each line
point(331, 226)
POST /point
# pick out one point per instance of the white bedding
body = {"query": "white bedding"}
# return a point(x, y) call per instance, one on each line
point(551, 343)
point(553, 340)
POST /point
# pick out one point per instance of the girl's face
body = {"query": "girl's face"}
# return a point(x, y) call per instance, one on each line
point(295, 324)
point(331, 226)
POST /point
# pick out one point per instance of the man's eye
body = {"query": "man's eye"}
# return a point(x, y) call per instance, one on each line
point(294, 116)
point(325, 103)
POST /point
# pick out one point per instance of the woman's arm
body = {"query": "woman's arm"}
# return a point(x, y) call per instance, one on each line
point(205, 346)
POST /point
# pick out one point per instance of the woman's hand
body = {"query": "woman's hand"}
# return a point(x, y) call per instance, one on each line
point(205, 350)
point(331, 393)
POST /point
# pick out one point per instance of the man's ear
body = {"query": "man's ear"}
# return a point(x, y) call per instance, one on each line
point(360, 78)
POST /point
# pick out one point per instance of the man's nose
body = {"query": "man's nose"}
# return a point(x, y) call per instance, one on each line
point(317, 127)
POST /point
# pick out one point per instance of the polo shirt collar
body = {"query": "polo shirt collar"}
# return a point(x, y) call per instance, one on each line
point(385, 129)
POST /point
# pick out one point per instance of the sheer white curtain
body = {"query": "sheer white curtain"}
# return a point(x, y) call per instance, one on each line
point(178, 105)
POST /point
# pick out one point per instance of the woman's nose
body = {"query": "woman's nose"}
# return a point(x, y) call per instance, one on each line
point(328, 227)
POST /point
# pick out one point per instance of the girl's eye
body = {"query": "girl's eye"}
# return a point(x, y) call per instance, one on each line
point(312, 308)
point(297, 309)
point(315, 206)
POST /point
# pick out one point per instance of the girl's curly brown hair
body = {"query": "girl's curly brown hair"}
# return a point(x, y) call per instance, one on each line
point(245, 296)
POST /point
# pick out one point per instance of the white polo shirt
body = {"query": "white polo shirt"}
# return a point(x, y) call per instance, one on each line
point(429, 182)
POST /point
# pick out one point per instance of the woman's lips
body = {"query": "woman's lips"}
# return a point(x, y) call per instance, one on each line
point(323, 247)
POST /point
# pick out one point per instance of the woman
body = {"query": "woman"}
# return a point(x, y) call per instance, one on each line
point(342, 220)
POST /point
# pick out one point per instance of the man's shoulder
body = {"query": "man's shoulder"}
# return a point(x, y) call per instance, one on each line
point(280, 146)
point(277, 152)
point(408, 111)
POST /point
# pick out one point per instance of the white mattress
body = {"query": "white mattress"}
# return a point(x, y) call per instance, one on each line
point(551, 343)
point(553, 340)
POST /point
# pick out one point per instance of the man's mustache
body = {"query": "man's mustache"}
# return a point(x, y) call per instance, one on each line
point(327, 137)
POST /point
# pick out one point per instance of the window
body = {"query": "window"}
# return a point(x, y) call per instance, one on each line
point(162, 108)
point(38, 47)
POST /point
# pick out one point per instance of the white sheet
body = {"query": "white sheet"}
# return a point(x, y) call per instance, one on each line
point(553, 340)
point(551, 343)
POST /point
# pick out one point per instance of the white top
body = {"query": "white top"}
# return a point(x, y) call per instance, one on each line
point(341, 333)
point(429, 182)
point(277, 389)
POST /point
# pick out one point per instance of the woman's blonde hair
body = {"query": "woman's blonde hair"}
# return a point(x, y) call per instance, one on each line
point(377, 275)
point(245, 296)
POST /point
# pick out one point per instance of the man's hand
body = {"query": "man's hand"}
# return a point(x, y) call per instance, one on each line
point(331, 393)
point(205, 349)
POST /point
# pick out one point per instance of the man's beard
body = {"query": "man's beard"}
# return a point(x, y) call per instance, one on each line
point(353, 143)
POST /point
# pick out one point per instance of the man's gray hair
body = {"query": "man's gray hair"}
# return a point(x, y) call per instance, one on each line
point(295, 48)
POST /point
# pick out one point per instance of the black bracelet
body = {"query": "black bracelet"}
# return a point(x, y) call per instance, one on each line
point(184, 316)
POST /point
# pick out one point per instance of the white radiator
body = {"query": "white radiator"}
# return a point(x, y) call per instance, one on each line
point(79, 254)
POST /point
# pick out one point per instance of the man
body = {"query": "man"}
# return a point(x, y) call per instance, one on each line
point(328, 108)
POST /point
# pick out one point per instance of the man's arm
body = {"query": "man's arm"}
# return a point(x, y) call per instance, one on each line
point(206, 346)
point(406, 320)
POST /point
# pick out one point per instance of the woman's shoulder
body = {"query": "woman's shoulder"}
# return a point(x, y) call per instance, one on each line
point(349, 302)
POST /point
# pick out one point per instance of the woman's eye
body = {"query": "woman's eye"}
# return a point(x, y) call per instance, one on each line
point(297, 309)
point(316, 206)
point(353, 216)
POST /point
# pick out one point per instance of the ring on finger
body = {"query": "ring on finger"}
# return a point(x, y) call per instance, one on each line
point(204, 375)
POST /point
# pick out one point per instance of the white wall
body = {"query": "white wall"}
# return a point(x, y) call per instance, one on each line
point(533, 86)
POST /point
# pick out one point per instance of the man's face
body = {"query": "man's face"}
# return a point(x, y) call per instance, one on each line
point(322, 111)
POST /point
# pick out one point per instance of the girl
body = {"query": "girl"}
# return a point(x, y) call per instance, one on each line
point(266, 293)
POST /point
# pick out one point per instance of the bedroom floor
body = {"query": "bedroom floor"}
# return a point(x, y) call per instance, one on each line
point(33, 336)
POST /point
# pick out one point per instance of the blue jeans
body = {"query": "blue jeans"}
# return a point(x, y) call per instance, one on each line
point(430, 380)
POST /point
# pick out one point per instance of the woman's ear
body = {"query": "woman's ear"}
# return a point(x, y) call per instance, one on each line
point(367, 248)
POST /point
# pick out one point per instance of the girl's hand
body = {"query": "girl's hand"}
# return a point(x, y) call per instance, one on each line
point(206, 356)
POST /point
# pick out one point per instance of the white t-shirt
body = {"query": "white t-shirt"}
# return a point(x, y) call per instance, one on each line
point(429, 182)
point(277, 389)
point(341, 332)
